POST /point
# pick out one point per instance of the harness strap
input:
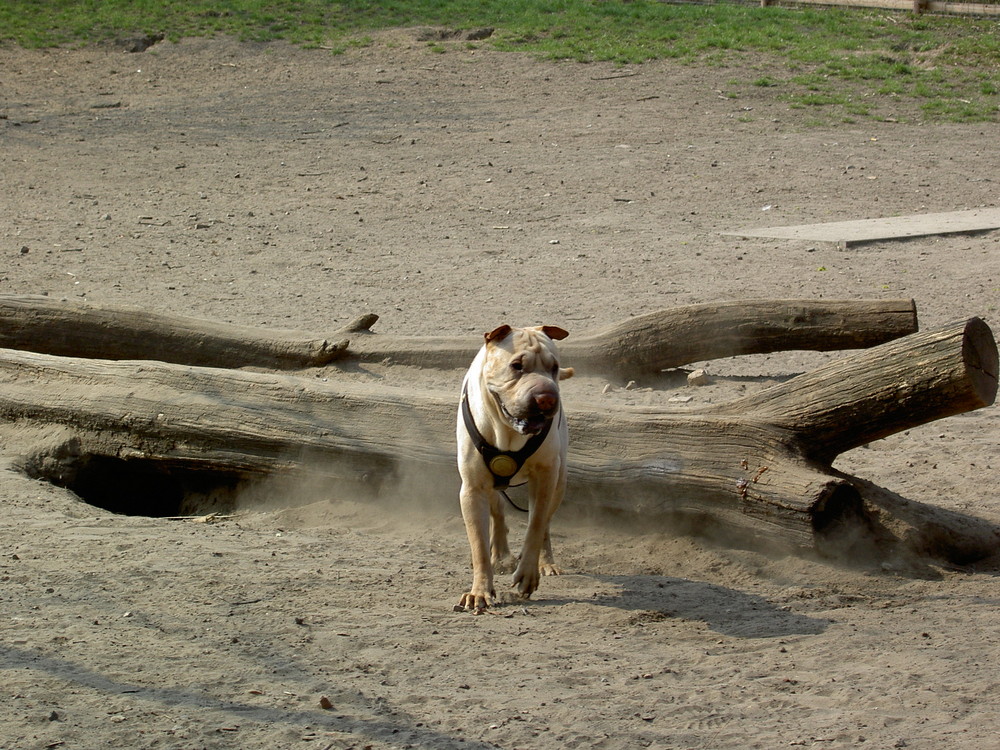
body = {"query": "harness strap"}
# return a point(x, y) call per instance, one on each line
point(503, 465)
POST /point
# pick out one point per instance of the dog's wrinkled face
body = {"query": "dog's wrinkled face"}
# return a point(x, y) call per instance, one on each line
point(522, 374)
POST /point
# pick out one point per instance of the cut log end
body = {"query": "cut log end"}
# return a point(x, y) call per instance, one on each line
point(979, 352)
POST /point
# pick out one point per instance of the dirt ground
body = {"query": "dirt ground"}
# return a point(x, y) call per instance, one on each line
point(449, 193)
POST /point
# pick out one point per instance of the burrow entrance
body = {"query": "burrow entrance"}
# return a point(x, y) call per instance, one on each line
point(139, 487)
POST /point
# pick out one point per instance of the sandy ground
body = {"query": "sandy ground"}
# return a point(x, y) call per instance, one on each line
point(448, 193)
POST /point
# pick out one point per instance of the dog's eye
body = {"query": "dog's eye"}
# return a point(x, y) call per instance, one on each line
point(517, 365)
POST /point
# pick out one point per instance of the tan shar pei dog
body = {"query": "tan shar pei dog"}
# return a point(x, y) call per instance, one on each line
point(511, 430)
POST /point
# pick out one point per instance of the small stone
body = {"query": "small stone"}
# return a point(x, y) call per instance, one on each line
point(325, 703)
point(698, 377)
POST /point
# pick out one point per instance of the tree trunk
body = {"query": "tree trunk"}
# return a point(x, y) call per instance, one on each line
point(888, 389)
point(695, 333)
point(757, 467)
point(49, 326)
point(638, 346)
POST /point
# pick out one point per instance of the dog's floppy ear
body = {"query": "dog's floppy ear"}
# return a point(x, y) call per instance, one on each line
point(555, 332)
point(498, 334)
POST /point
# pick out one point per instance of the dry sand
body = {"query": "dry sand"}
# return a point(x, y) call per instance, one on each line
point(278, 187)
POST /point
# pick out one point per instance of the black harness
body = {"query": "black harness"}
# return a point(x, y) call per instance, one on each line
point(503, 465)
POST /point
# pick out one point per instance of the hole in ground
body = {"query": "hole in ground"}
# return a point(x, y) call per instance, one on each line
point(845, 530)
point(139, 487)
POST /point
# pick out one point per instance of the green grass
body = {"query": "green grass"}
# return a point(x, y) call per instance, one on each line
point(955, 62)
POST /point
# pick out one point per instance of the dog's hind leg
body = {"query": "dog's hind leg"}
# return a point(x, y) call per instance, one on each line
point(547, 565)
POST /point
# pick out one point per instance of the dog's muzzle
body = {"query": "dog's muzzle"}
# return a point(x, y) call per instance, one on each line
point(540, 411)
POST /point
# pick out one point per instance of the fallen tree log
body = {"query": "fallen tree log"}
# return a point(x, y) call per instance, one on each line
point(51, 326)
point(641, 345)
point(882, 391)
point(756, 467)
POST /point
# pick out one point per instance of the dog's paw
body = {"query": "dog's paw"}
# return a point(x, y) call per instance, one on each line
point(476, 602)
point(504, 564)
point(525, 581)
point(550, 569)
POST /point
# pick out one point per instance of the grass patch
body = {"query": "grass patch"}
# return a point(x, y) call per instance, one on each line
point(956, 58)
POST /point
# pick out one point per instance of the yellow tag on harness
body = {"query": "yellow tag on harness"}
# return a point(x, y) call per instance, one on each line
point(503, 466)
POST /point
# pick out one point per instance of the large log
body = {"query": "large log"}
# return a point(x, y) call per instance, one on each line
point(888, 389)
point(51, 326)
point(678, 336)
point(757, 467)
point(695, 333)
point(640, 345)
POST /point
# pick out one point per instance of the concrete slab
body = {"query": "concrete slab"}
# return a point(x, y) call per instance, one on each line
point(846, 233)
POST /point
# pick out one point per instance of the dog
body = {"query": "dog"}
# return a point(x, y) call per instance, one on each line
point(511, 429)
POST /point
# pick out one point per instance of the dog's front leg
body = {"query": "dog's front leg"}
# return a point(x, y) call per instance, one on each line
point(476, 513)
point(503, 561)
point(546, 492)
